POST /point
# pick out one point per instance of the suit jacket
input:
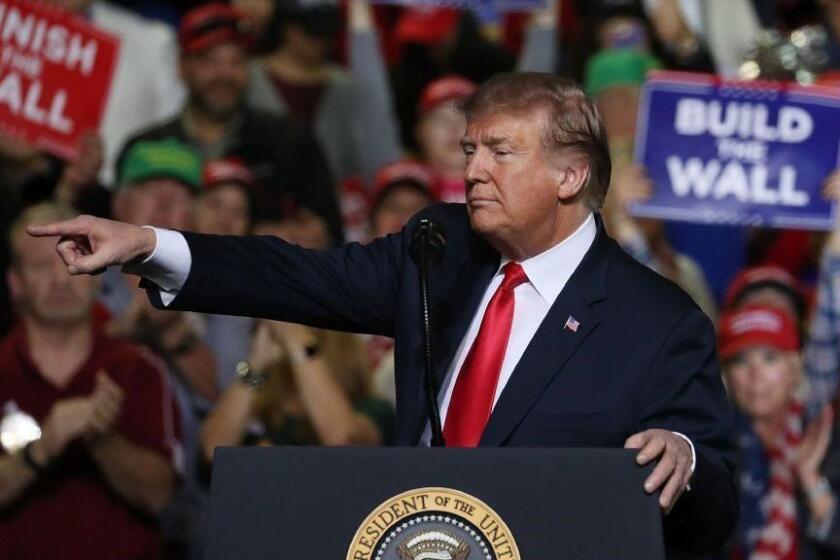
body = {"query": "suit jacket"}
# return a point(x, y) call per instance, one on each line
point(642, 357)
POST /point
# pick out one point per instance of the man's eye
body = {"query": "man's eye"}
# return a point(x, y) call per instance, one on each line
point(501, 152)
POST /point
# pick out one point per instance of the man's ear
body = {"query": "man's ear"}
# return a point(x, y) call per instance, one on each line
point(571, 176)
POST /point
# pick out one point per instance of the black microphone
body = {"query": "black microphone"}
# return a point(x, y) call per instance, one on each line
point(428, 236)
point(426, 249)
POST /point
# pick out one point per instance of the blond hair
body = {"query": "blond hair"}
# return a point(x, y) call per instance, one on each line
point(573, 120)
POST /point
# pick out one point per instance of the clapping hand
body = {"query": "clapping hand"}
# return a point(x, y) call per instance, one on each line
point(813, 447)
point(265, 350)
point(85, 418)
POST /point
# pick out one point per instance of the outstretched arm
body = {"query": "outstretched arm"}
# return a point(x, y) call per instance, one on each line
point(353, 288)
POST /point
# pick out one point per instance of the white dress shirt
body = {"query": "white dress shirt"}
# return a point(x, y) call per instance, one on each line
point(547, 274)
point(169, 265)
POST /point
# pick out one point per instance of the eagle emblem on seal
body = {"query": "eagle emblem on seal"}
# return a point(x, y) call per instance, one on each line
point(433, 545)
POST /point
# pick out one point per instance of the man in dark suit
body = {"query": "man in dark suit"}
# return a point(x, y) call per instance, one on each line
point(546, 333)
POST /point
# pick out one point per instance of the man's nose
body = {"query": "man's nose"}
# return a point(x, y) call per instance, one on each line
point(476, 169)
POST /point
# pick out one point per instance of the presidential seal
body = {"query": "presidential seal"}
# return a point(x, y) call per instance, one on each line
point(433, 524)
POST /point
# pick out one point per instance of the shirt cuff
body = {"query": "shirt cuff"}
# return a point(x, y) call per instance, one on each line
point(693, 453)
point(168, 266)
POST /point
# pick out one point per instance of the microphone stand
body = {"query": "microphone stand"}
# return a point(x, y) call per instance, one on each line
point(425, 232)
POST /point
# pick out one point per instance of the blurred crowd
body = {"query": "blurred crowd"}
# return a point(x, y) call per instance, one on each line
point(324, 122)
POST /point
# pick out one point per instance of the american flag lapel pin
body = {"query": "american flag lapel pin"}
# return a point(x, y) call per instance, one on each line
point(572, 324)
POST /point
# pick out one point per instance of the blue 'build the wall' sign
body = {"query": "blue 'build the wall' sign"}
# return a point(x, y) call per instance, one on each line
point(748, 153)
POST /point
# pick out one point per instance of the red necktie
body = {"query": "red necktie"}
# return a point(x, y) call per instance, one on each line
point(472, 398)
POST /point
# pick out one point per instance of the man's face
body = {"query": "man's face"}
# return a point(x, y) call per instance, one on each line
point(223, 211)
point(160, 202)
point(41, 287)
point(216, 78)
point(512, 191)
point(439, 134)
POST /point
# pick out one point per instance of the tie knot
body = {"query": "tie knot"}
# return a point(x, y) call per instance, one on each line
point(514, 276)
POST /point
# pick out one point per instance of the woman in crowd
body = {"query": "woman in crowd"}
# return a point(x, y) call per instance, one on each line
point(819, 327)
point(439, 129)
point(300, 386)
point(788, 506)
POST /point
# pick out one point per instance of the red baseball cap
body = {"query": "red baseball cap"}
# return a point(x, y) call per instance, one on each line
point(760, 276)
point(442, 90)
point(228, 170)
point(213, 24)
point(404, 171)
point(756, 325)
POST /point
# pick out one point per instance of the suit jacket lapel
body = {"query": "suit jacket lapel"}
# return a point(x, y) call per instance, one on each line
point(553, 344)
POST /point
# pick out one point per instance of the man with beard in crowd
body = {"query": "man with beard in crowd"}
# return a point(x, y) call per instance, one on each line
point(216, 121)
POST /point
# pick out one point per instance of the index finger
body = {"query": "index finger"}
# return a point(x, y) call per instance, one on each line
point(67, 227)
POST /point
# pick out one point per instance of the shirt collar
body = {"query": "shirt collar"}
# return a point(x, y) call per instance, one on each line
point(20, 343)
point(549, 271)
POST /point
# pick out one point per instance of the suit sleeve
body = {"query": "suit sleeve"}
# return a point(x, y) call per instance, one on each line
point(353, 288)
point(685, 394)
